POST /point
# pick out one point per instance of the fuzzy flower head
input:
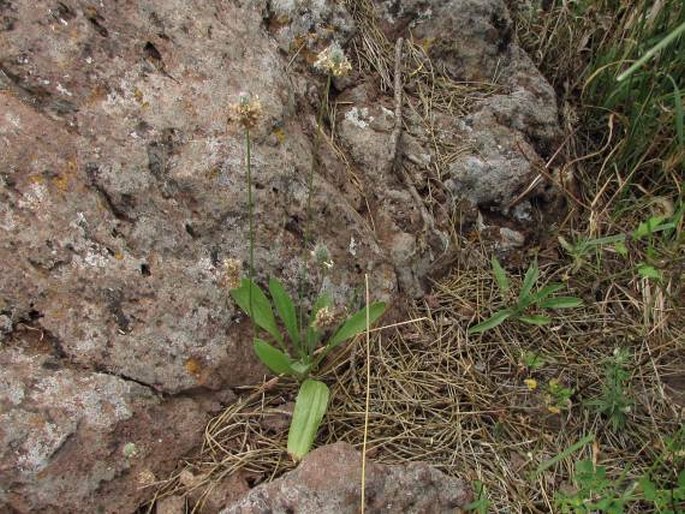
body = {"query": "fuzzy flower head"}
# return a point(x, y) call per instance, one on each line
point(333, 61)
point(247, 110)
point(322, 256)
point(231, 273)
point(325, 318)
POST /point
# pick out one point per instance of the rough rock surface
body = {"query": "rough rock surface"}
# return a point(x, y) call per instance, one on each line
point(328, 481)
point(122, 190)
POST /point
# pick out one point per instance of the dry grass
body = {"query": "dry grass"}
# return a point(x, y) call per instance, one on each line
point(460, 402)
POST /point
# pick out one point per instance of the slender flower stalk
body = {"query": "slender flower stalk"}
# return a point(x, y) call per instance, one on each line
point(334, 63)
point(250, 204)
point(247, 112)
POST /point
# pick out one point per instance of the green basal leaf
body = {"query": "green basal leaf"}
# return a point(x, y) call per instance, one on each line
point(274, 359)
point(491, 322)
point(561, 302)
point(356, 324)
point(285, 309)
point(258, 307)
point(535, 319)
point(500, 276)
point(302, 368)
point(529, 281)
point(310, 407)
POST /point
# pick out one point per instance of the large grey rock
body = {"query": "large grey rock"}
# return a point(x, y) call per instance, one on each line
point(122, 191)
point(67, 433)
point(328, 481)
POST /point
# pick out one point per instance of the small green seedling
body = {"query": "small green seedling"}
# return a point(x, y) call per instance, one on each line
point(557, 396)
point(526, 300)
point(613, 402)
point(532, 361)
point(481, 503)
point(304, 352)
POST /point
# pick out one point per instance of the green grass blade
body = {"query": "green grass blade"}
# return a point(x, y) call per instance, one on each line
point(672, 36)
point(273, 358)
point(494, 320)
point(260, 309)
point(562, 302)
point(561, 456)
point(679, 112)
point(285, 309)
point(310, 407)
point(500, 276)
point(356, 324)
point(529, 281)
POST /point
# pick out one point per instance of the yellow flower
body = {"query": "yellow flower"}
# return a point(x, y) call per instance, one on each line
point(554, 409)
point(333, 61)
point(531, 384)
point(247, 110)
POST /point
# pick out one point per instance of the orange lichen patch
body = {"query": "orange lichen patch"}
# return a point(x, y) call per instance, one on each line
point(119, 256)
point(61, 181)
point(138, 95)
point(193, 366)
point(36, 179)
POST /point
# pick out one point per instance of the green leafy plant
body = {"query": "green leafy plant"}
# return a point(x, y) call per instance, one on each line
point(481, 503)
point(526, 299)
point(557, 396)
point(594, 491)
point(665, 500)
point(532, 361)
point(301, 350)
point(613, 401)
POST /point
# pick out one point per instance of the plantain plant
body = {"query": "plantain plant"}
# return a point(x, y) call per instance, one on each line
point(527, 299)
point(299, 350)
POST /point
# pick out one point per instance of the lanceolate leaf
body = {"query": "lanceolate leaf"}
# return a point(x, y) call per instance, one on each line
point(535, 319)
point(529, 281)
point(285, 309)
point(500, 276)
point(256, 305)
point(561, 302)
point(356, 324)
point(273, 358)
point(310, 407)
point(491, 322)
